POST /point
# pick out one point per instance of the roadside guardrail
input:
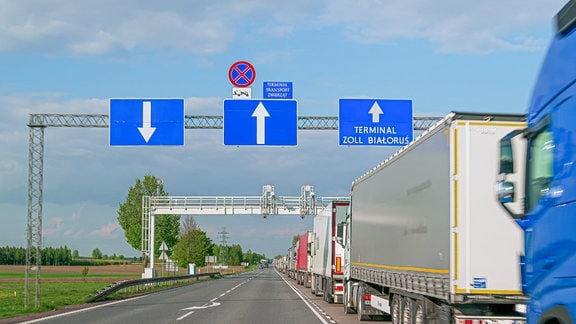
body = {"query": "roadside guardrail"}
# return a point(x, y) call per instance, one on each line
point(143, 284)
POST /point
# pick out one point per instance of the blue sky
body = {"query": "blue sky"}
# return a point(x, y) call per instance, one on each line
point(70, 57)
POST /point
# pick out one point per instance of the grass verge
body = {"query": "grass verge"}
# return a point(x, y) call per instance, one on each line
point(53, 296)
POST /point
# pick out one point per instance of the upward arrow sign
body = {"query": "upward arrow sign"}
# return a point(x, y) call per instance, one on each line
point(260, 113)
point(146, 130)
point(376, 111)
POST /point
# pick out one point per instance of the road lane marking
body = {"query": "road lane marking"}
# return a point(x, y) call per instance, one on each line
point(212, 302)
point(304, 299)
point(82, 310)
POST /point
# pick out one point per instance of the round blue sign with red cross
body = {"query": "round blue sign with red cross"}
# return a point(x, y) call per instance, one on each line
point(242, 74)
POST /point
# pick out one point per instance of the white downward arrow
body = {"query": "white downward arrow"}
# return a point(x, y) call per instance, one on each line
point(260, 113)
point(146, 130)
point(376, 111)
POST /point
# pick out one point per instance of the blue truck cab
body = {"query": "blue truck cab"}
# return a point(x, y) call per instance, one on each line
point(546, 193)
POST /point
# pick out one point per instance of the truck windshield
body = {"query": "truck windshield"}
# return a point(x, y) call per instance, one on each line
point(539, 167)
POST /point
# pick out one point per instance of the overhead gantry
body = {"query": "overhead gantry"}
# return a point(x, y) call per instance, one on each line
point(307, 204)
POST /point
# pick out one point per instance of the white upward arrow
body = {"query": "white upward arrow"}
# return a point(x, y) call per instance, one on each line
point(146, 130)
point(376, 111)
point(212, 304)
point(260, 113)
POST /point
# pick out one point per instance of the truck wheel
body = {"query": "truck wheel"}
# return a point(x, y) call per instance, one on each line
point(360, 305)
point(419, 313)
point(327, 294)
point(313, 285)
point(408, 311)
point(347, 308)
point(558, 314)
point(396, 309)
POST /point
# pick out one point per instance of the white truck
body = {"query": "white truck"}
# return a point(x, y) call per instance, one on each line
point(328, 253)
point(426, 241)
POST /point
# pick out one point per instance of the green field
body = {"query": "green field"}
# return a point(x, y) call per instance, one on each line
point(57, 290)
point(54, 295)
point(64, 286)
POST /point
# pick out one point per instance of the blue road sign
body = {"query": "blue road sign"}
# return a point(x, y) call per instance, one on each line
point(378, 122)
point(277, 90)
point(142, 122)
point(260, 122)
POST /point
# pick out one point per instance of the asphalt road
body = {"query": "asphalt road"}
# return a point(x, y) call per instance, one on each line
point(334, 313)
point(261, 296)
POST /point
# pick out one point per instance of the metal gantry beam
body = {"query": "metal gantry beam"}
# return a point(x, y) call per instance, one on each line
point(38, 122)
point(307, 204)
point(198, 121)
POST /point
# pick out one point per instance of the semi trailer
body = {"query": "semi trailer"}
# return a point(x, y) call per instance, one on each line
point(425, 241)
point(327, 252)
point(303, 259)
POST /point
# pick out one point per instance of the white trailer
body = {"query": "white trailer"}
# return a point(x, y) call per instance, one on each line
point(426, 241)
point(328, 253)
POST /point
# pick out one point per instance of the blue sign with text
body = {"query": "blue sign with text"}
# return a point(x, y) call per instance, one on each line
point(260, 122)
point(277, 90)
point(377, 122)
point(143, 122)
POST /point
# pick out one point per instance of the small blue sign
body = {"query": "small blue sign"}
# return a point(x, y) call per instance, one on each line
point(480, 282)
point(146, 122)
point(277, 90)
point(260, 122)
point(377, 122)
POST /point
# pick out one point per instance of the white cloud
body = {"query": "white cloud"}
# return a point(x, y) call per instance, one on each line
point(207, 28)
point(477, 27)
point(58, 227)
point(108, 230)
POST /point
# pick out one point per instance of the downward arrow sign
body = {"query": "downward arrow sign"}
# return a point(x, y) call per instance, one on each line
point(376, 111)
point(146, 130)
point(260, 113)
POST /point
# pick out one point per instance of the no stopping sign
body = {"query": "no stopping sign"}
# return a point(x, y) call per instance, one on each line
point(242, 74)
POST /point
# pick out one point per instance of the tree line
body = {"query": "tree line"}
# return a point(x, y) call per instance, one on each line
point(11, 255)
point(50, 256)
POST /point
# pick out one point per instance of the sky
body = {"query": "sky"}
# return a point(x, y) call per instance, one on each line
point(71, 57)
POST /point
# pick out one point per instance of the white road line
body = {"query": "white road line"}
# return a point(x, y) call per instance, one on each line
point(320, 317)
point(184, 316)
point(82, 310)
point(213, 301)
